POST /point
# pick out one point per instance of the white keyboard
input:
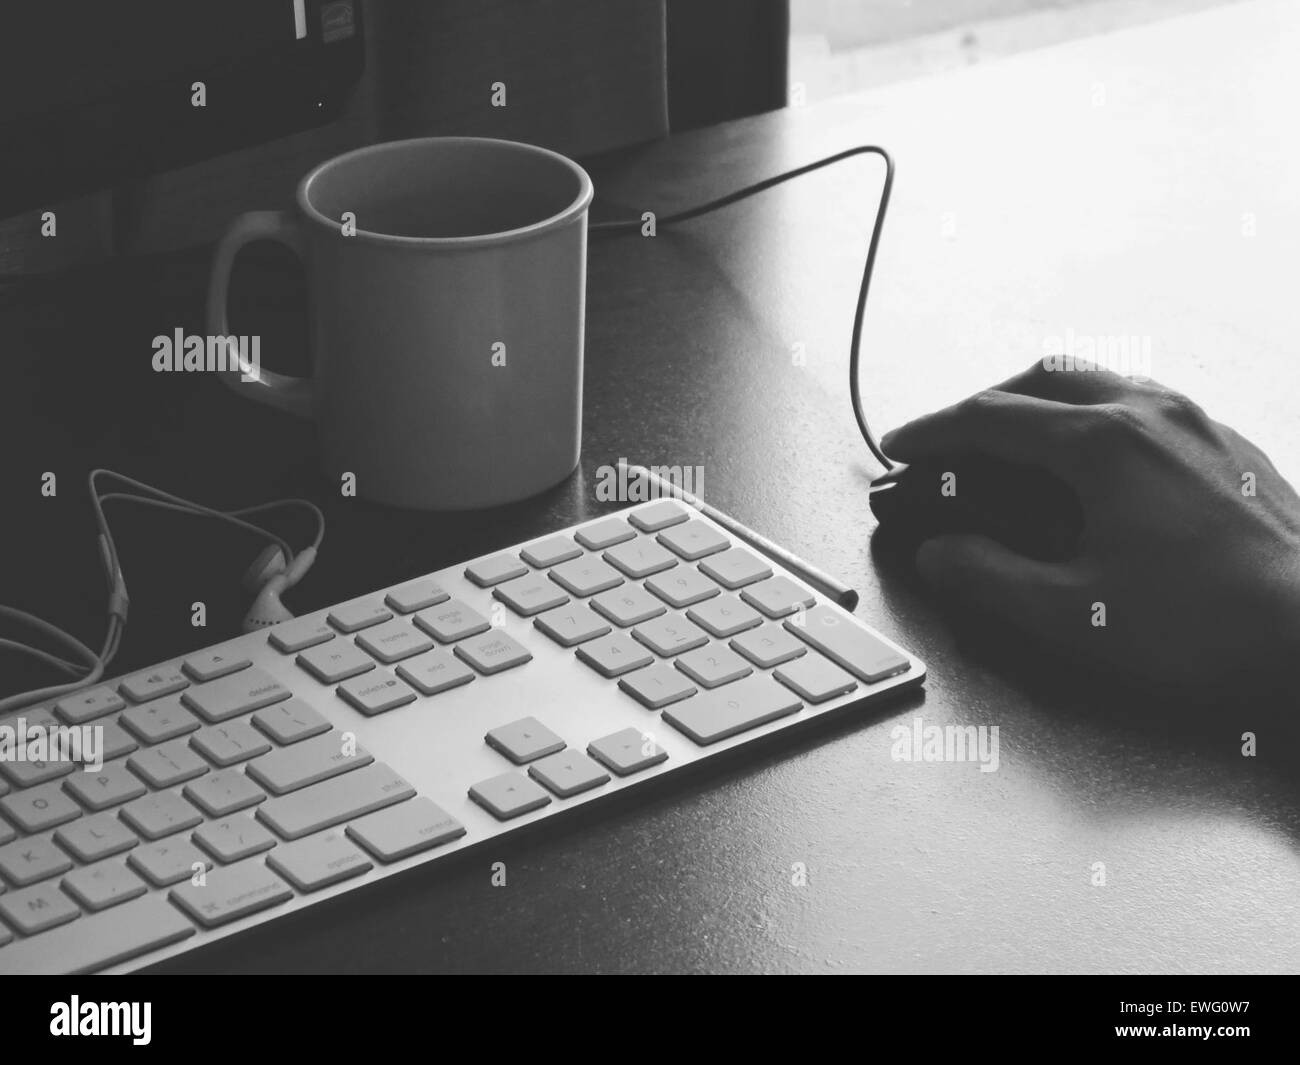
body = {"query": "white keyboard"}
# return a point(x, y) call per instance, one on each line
point(288, 766)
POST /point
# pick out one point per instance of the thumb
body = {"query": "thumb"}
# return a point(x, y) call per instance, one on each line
point(986, 576)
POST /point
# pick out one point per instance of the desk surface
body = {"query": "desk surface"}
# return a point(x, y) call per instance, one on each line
point(1139, 184)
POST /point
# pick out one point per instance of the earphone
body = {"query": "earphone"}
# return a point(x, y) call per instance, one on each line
point(276, 569)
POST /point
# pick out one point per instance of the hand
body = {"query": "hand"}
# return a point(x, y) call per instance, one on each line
point(1192, 538)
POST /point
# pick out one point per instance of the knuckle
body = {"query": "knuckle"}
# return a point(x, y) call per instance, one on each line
point(979, 404)
point(1179, 408)
point(1106, 422)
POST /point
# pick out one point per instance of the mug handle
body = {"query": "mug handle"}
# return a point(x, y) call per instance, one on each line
point(282, 391)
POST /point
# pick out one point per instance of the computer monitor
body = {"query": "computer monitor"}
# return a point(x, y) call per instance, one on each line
point(93, 94)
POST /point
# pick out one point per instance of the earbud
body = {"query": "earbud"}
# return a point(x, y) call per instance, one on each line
point(268, 563)
point(267, 609)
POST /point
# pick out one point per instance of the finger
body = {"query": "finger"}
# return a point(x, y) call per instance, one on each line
point(982, 574)
point(1022, 429)
point(1045, 380)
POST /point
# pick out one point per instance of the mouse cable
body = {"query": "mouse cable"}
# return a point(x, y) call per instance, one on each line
point(855, 392)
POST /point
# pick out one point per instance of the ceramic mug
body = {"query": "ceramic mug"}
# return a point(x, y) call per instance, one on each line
point(446, 285)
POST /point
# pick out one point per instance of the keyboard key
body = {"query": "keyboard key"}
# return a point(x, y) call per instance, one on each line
point(116, 740)
point(682, 587)
point(97, 887)
point(235, 741)
point(640, 558)
point(568, 773)
point(31, 860)
point(111, 786)
point(223, 792)
point(605, 533)
point(91, 838)
point(768, 646)
point(163, 719)
point(155, 683)
point(168, 764)
point(308, 762)
point(494, 570)
point(748, 703)
point(356, 616)
point(524, 740)
point(508, 795)
point(725, 616)
point(87, 705)
point(209, 665)
point(658, 686)
point(778, 597)
point(406, 829)
point(530, 595)
point(299, 634)
point(39, 808)
point(234, 838)
point(714, 666)
point(7, 831)
point(416, 596)
point(434, 672)
point(586, 576)
point(657, 516)
point(628, 605)
point(290, 722)
point(612, 656)
point(232, 892)
point(815, 679)
point(326, 804)
point(670, 635)
point(318, 862)
point(36, 909)
point(551, 552)
point(28, 774)
point(159, 815)
point(493, 652)
point(451, 621)
point(627, 751)
point(249, 689)
point(102, 940)
point(693, 539)
point(849, 646)
point(394, 640)
point(168, 862)
point(376, 693)
point(571, 625)
point(333, 662)
point(735, 568)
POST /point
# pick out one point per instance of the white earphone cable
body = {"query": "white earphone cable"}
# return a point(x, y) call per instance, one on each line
point(93, 666)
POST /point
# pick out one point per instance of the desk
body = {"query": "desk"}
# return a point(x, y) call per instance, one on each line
point(1139, 184)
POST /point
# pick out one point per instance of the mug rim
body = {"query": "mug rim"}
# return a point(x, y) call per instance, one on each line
point(479, 240)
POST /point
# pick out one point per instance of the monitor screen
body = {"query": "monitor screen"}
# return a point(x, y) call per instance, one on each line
point(92, 93)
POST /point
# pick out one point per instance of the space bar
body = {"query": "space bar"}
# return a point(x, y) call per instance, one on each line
point(91, 943)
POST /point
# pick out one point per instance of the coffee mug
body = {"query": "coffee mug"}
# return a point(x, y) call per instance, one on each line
point(446, 285)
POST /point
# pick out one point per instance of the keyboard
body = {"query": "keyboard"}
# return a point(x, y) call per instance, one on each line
point(288, 766)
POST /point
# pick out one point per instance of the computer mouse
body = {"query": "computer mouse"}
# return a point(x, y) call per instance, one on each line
point(1026, 508)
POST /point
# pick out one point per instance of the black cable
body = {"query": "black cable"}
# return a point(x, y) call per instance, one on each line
point(855, 392)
